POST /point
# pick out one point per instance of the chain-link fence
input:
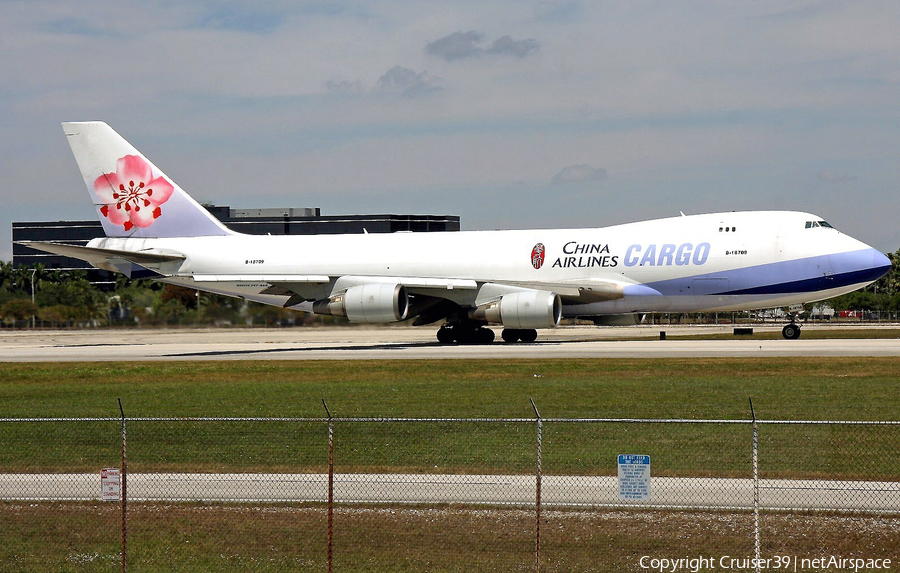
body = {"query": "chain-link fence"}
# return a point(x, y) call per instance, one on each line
point(391, 493)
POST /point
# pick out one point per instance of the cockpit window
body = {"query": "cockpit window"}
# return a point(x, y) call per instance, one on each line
point(825, 224)
point(811, 224)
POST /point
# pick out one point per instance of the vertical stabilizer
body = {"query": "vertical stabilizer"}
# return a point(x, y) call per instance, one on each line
point(132, 196)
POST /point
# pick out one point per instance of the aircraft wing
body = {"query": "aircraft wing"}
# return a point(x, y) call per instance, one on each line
point(580, 291)
point(300, 287)
point(314, 287)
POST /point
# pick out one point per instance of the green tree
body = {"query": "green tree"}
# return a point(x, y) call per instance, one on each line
point(58, 315)
point(184, 296)
point(72, 289)
point(17, 310)
point(219, 309)
point(171, 312)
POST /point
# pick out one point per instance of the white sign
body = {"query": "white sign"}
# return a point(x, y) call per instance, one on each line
point(634, 477)
point(111, 484)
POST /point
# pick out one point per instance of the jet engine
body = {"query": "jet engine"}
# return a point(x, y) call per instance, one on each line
point(526, 309)
point(375, 302)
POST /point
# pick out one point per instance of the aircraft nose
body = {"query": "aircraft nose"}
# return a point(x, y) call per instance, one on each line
point(868, 264)
point(880, 263)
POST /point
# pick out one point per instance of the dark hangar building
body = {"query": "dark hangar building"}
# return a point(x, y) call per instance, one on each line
point(289, 221)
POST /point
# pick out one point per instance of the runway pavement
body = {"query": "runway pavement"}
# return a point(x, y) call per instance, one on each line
point(355, 343)
point(562, 491)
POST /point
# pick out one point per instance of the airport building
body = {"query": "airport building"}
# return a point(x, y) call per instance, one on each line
point(289, 221)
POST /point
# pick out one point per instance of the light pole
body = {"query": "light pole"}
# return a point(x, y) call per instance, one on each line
point(32, 295)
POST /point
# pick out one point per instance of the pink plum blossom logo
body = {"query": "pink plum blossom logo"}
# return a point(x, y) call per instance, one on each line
point(132, 196)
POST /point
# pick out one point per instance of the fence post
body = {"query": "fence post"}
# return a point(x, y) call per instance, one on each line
point(755, 488)
point(124, 494)
point(330, 486)
point(537, 501)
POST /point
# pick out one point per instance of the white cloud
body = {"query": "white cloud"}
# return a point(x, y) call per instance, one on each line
point(340, 86)
point(456, 46)
point(518, 48)
point(406, 82)
point(830, 176)
point(462, 45)
point(579, 174)
point(695, 106)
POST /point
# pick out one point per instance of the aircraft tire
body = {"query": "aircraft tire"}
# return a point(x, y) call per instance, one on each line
point(474, 336)
point(791, 332)
point(528, 335)
point(445, 335)
point(510, 335)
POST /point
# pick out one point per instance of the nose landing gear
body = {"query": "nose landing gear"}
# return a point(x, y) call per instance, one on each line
point(791, 331)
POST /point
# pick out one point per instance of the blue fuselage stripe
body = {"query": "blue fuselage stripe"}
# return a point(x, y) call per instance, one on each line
point(814, 284)
point(796, 276)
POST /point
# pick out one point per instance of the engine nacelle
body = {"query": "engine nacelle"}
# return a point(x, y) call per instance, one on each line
point(375, 302)
point(527, 309)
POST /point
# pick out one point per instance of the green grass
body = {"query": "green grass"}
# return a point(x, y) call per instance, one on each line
point(200, 537)
point(791, 388)
point(224, 537)
point(816, 389)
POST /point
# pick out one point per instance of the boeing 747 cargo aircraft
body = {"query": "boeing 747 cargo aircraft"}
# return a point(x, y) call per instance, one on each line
point(522, 280)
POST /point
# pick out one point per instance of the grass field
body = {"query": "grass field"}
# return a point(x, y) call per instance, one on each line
point(789, 388)
point(794, 389)
point(200, 537)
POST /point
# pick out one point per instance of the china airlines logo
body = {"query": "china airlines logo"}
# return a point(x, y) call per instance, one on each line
point(132, 196)
point(537, 256)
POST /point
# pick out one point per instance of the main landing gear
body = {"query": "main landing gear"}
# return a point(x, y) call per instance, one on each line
point(517, 334)
point(464, 333)
point(475, 333)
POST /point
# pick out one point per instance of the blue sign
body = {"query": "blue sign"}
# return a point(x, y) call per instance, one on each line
point(634, 477)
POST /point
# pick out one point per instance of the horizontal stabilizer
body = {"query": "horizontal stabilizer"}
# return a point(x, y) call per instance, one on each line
point(101, 258)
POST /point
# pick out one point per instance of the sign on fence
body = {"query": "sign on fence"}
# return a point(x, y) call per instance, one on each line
point(634, 477)
point(111, 484)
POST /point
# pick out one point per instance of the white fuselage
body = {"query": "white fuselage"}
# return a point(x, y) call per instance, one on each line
point(722, 261)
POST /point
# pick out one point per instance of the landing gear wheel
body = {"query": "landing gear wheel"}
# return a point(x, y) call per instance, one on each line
point(791, 331)
point(464, 335)
point(445, 335)
point(475, 336)
point(528, 335)
point(484, 336)
point(510, 335)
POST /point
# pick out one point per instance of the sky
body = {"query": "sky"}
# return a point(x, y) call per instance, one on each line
point(509, 114)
